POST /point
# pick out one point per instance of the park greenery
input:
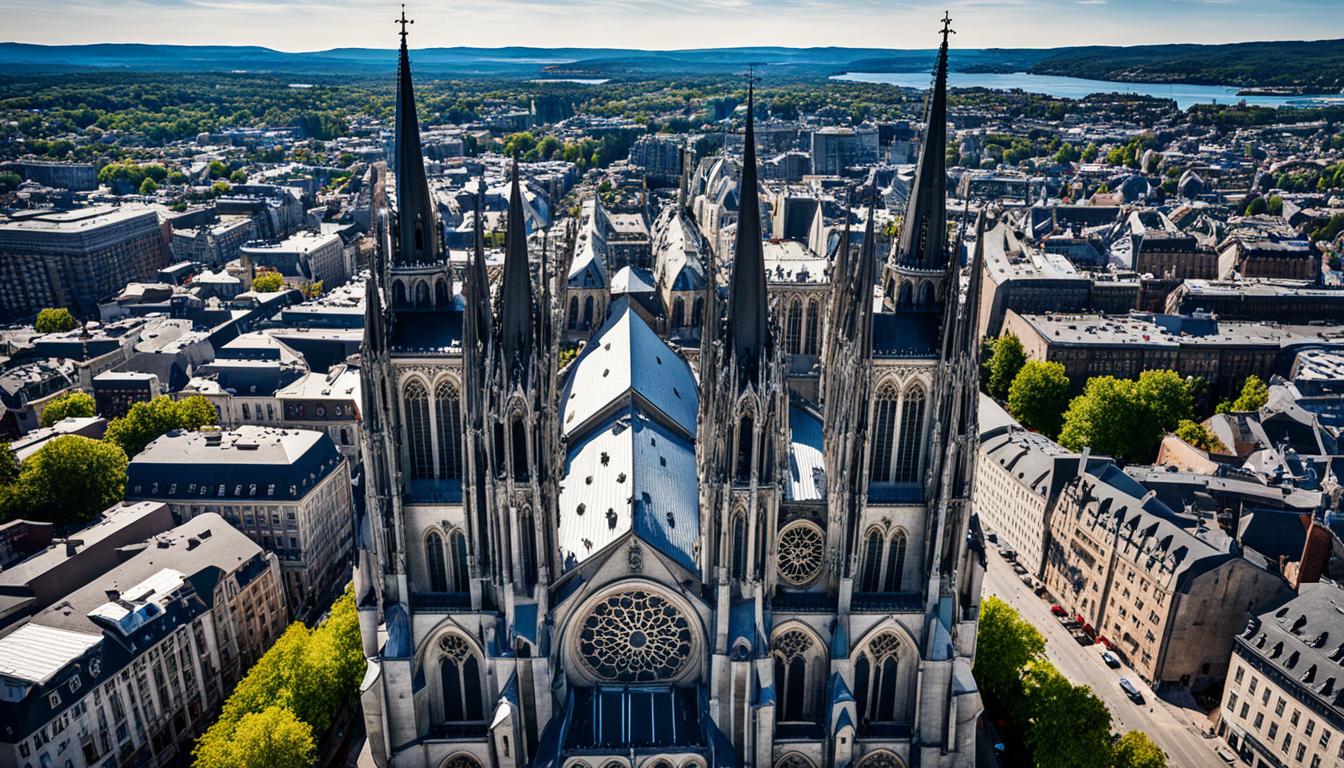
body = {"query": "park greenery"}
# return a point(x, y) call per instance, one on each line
point(1059, 724)
point(290, 698)
point(72, 404)
point(1126, 418)
point(1005, 358)
point(1254, 394)
point(1038, 396)
point(148, 420)
point(268, 282)
point(55, 320)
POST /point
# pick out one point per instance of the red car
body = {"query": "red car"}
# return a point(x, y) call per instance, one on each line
point(1058, 610)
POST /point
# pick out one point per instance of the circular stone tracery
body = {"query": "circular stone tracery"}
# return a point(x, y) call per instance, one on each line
point(800, 553)
point(635, 637)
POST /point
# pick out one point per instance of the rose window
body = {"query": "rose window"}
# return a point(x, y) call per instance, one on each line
point(800, 553)
point(635, 637)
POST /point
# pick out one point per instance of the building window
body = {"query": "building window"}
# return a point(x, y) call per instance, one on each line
point(794, 329)
point(448, 409)
point(896, 562)
point(877, 693)
point(460, 679)
point(745, 437)
point(635, 637)
point(813, 323)
point(528, 549)
point(421, 449)
point(801, 552)
point(872, 563)
point(461, 577)
point(519, 444)
point(912, 431)
point(739, 566)
point(884, 433)
point(795, 653)
point(434, 563)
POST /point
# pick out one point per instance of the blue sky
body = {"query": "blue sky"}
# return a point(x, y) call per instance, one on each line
point(319, 24)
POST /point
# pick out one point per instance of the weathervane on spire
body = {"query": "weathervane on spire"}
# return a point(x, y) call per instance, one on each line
point(947, 27)
point(403, 21)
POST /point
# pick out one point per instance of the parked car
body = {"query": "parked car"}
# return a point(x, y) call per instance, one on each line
point(992, 537)
point(1111, 659)
point(1131, 691)
point(1058, 610)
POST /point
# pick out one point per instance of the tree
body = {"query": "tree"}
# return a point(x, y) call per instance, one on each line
point(54, 320)
point(238, 177)
point(1070, 726)
point(9, 181)
point(1038, 396)
point(1254, 395)
point(1136, 750)
point(1005, 645)
point(268, 282)
point(1007, 360)
point(71, 404)
point(220, 188)
point(148, 420)
point(1199, 436)
point(148, 187)
point(271, 738)
point(1257, 207)
point(1126, 418)
point(71, 479)
point(1089, 153)
point(218, 170)
point(155, 171)
point(1274, 207)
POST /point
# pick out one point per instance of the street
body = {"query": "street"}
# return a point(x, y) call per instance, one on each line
point(1164, 723)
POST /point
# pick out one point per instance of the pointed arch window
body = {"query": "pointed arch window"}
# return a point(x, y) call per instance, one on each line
point(905, 298)
point(877, 695)
point(793, 333)
point(573, 312)
point(527, 550)
point(884, 433)
point(678, 313)
point(416, 399)
point(697, 312)
point(441, 294)
point(813, 326)
point(794, 652)
point(872, 562)
point(521, 470)
point(435, 564)
point(739, 545)
point(448, 410)
point(745, 437)
point(421, 293)
point(588, 312)
point(912, 434)
point(896, 562)
point(461, 577)
point(460, 681)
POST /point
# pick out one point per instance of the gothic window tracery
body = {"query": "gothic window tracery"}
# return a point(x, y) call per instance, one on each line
point(745, 437)
point(794, 330)
point(518, 439)
point(896, 562)
point(872, 562)
point(460, 680)
point(801, 553)
point(884, 433)
point(813, 323)
point(461, 760)
point(435, 563)
point(912, 432)
point(877, 694)
point(883, 561)
point(448, 413)
point(797, 664)
point(635, 637)
point(528, 548)
point(794, 760)
point(419, 443)
point(880, 759)
point(461, 578)
point(739, 563)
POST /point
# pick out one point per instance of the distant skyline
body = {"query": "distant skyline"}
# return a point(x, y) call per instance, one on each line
point(309, 25)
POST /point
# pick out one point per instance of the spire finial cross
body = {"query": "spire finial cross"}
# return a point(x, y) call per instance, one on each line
point(947, 27)
point(403, 21)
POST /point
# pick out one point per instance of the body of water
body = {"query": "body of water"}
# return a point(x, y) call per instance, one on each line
point(579, 80)
point(1077, 88)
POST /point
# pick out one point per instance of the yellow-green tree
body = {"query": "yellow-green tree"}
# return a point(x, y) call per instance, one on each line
point(1039, 395)
point(148, 420)
point(73, 404)
point(271, 738)
point(70, 479)
point(1254, 395)
point(1199, 436)
point(54, 320)
point(1136, 750)
point(268, 282)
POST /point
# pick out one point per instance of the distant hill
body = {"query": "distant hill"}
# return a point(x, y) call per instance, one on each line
point(1317, 65)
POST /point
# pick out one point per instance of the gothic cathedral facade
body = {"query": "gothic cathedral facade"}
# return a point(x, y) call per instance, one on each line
point(630, 561)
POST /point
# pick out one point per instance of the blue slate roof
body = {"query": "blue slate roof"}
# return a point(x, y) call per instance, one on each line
point(906, 335)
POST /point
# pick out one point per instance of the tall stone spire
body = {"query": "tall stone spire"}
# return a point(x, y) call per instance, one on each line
point(747, 300)
point(515, 321)
point(923, 241)
point(476, 287)
point(418, 240)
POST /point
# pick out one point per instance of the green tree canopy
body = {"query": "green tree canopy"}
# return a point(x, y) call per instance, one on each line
point(69, 480)
point(1070, 726)
point(238, 177)
point(271, 738)
point(148, 187)
point(1199, 436)
point(71, 404)
point(1257, 207)
point(1007, 360)
point(1038, 396)
point(1005, 645)
point(1254, 395)
point(146, 421)
point(1126, 418)
point(268, 282)
point(218, 170)
point(155, 171)
point(54, 320)
point(1136, 750)
point(9, 181)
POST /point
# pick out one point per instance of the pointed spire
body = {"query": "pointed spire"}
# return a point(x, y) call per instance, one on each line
point(476, 285)
point(418, 239)
point(515, 322)
point(923, 241)
point(747, 300)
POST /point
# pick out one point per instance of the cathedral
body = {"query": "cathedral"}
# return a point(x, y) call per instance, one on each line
point(662, 554)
